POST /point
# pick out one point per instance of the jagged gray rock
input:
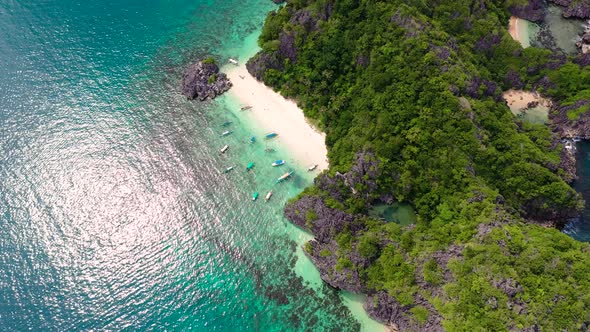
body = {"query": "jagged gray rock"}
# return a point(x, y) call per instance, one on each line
point(385, 308)
point(203, 80)
point(580, 8)
point(532, 11)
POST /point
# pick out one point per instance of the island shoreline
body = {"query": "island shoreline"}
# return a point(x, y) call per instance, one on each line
point(271, 112)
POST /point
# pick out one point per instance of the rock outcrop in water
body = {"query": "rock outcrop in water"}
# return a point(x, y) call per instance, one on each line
point(574, 8)
point(584, 43)
point(203, 80)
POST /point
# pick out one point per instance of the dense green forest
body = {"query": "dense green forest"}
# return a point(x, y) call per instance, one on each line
point(409, 95)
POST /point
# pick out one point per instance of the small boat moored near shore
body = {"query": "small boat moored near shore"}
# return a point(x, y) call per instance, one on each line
point(271, 135)
point(269, 150)
point(233, 61)
point(229, 169)
point(250, 166)
point(285, 176)
point(223, 149)
point(268, 196)
point(255, 196)
point(252, 139)
point(227, 132)
point(244, 108)
point(312, 167)
point(226, 123)
point(278, 162)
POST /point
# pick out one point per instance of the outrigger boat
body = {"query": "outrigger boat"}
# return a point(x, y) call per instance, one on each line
point(252, 139)
point(255, 196)
point(312, 167)
point(235, 62)
point(278, 162)
point(223, 149)
point(227, 132)
point(250, 166)
point(271, 135)
point(227, 170)
point(268, 196)
point(247, 107)
point(284, 176)
point(226, 123)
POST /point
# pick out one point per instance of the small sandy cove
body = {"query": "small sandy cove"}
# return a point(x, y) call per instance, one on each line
point(518, 100)
point(274, 113)
point(519, 30)
point(513, 27)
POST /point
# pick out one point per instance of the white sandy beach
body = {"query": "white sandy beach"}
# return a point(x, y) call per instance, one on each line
point(272, 112)
point(518, 100)
point(518, 29)
point(513, 27)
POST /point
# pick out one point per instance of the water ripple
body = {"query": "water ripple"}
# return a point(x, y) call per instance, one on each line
point(113, 211)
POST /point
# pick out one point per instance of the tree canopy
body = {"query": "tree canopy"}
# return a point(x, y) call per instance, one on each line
point(419, 84)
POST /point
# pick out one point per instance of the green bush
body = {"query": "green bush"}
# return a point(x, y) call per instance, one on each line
point(209, 60)
point(420, 314)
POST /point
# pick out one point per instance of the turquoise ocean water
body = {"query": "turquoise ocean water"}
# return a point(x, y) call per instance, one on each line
point(114, 214)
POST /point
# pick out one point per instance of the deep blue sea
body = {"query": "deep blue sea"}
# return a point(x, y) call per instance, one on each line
point(580, 228)
point(114, 214)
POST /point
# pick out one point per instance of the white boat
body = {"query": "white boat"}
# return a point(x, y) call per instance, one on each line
point(285, 176)
point(227, 132)
point(234, 61)
point(223, 149)
point(278, 163)
point(268, 195)
point(227, 170)
point(312, 167)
